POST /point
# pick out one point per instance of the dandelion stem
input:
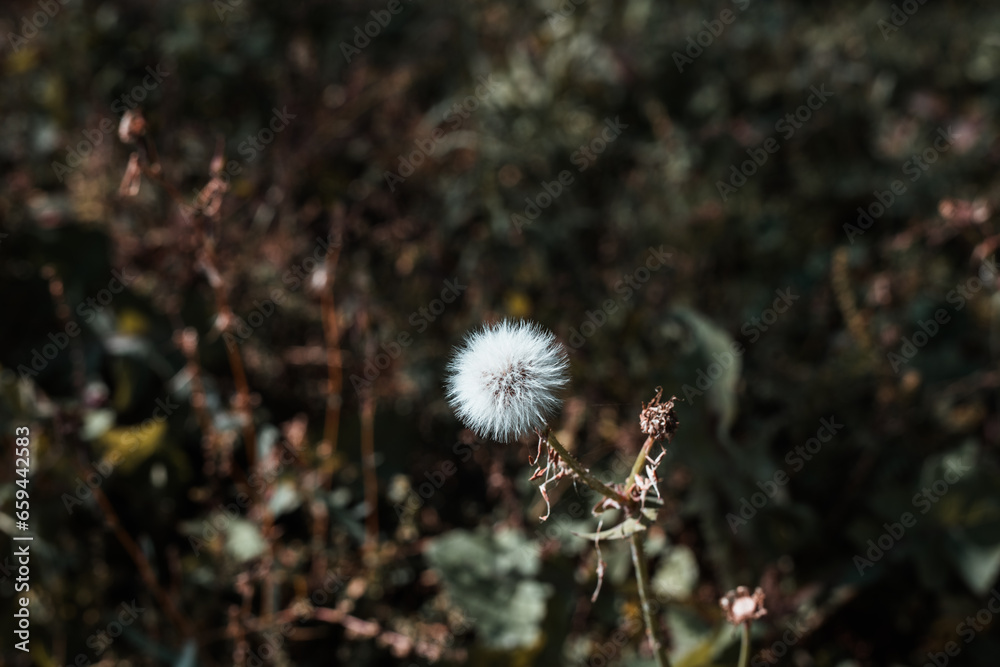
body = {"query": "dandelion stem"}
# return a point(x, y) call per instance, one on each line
point(585, 475)
point(642, 579)
point(745, 645)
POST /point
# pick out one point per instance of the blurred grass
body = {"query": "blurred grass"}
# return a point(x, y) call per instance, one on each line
point(556, 81)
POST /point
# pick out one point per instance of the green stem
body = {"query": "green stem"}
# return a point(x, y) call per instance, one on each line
point(639, 462)
point(585, 475)
point(642, 579)
point(745, 645)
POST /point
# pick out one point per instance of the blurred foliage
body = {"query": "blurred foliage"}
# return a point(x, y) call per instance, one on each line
point(269, 557)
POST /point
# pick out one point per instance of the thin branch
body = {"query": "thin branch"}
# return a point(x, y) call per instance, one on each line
point(243, 391)
point(331, 331)
point(368, 466)
point(141, 562)
point(642, 579)
point(585, 475)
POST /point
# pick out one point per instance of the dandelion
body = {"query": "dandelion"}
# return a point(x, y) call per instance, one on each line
point(504, 381)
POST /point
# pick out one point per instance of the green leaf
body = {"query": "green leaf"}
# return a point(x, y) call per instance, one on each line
point(491, 577)
point(978, 565)
point(693, 641)
point(244, 541)
point(677, 575)
point(626, 528)
point(712, 361)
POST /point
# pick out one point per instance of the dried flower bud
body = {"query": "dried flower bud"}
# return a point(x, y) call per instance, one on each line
point(658, 420)
point(188, 341)
point(742, 607)
point(223, 320)
point(218, 160)
point(132, 126)
point(319, 280)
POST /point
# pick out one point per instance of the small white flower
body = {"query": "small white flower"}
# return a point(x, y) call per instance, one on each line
point(504, 381)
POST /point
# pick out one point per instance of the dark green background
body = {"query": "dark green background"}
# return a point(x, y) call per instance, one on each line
point(473, 557)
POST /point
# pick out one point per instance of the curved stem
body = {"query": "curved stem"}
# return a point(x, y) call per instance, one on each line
point(745, 645)
point(642, 579)
point(585, 475)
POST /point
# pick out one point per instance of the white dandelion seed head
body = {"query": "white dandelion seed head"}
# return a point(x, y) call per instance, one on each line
point(505, 380)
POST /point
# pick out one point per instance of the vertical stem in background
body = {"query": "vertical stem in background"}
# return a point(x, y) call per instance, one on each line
point(206, 211)
point(745, 645)
point(141, 562)
point(843, 291)
point(331, 330)
point(334, 382)
point(320, 523)
point(243, 391)
point(209, 266)
point(368, 466)
point(63, 312)
point(187, 340)
point(642, 579)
